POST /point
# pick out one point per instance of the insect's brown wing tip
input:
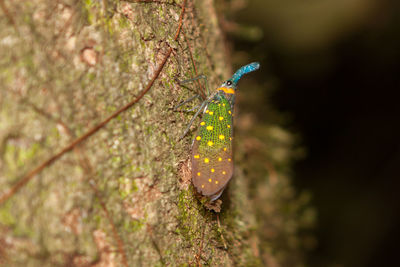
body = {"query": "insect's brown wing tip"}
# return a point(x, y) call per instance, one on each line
point(211, 173)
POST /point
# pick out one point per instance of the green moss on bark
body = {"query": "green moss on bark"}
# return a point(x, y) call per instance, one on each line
point(73, 64)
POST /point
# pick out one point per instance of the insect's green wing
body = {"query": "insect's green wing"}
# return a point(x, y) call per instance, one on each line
point(212, 162)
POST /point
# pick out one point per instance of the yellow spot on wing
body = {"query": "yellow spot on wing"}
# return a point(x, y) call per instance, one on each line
point(198, 137)
point(210, 143)
point(202, 186)
point(229, 159)
point(212, 170)
point(224, 148)
point(216, 182)
point(223, 104)
point(219, 159)
point(206, 160)
point(209, 127)
point(229, 112)
point(202, 123)
point(196, 156)
point(228, 126)
point(211, 113)
point(221, 118)
point(222, 137)
point(198, 174)
point(223, 172)
point(207, 111)
point(209, 180)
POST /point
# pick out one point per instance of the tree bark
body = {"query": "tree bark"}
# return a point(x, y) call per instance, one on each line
point(124, 196)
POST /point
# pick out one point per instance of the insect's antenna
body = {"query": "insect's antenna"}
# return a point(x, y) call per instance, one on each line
point(244, 70)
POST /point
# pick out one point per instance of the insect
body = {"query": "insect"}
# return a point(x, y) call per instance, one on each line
point(212, 162)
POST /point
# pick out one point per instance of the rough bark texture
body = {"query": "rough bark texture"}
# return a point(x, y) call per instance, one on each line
point(124, 196)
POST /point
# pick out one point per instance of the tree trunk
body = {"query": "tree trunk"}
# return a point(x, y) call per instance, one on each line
point(124, 196)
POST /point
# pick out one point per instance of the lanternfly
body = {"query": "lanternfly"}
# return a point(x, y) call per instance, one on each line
point(212, 163)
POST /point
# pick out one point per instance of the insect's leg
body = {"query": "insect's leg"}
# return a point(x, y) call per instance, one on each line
point(202, 76)
point(192, 109)
point(194, 117)
point(186, 101)
point(195, 108)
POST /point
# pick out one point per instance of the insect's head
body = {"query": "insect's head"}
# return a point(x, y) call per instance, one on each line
point(229, 86)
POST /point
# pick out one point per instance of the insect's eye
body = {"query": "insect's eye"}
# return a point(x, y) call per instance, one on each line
point(229, 83)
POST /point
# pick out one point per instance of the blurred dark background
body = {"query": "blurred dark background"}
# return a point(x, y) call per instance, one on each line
point(334, 66)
